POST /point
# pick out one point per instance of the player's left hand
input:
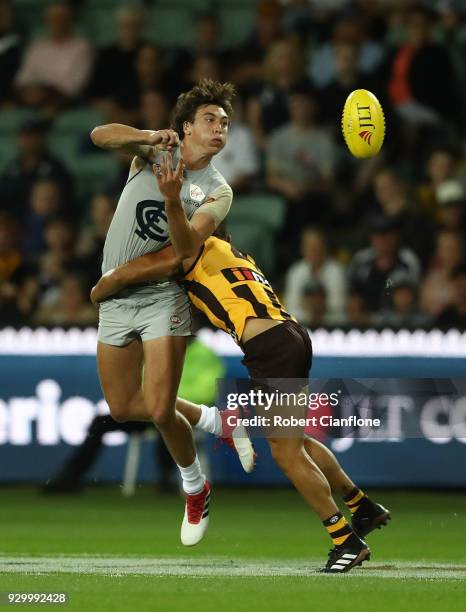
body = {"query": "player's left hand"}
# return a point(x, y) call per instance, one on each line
point(170, 180)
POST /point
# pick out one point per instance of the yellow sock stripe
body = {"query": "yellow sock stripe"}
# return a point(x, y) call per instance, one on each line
point(355, 499)
point(339, 541)
point(339, 525)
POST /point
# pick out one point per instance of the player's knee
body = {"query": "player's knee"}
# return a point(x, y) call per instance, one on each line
point(162, 417)
point(120, 412)
point(160, 408)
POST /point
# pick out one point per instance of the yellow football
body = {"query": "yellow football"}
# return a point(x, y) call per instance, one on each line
point(363, 124)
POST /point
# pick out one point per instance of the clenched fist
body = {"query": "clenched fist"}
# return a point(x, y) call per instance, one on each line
point(163, 140)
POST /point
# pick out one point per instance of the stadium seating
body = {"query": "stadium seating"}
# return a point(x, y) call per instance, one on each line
point(237, 24)
point(93, 173)
point(168, 26)
point(264, 209)
point(253, 222)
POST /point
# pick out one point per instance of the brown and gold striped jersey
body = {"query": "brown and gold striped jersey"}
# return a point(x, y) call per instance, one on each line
point(228, 287)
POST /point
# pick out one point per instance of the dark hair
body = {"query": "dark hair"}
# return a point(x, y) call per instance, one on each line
point(205, 92)
point(460, 270)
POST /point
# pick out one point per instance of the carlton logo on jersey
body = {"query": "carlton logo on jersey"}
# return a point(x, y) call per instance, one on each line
point(196, 193)
point(152, 220)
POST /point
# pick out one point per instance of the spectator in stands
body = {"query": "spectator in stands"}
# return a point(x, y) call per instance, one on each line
point(208, 37)
point(316, 265)
point(10, 50)
point(71, 306)
point(422, 84)
point(151, 74)
point(114, 72)
point(203, 67)
point(441, 164)
point(93, 233)
point(32, 163)
point(438, 290)
point(154, 111)
point(248, 60)
point(452, 33)
point(57, 261)
point(347, 30)
point(12, 271)
point(454, 316)
point(268, 107)
point(313, 305)
point(238, 161)
point(451, 203)
point(300, 162)
point(207, 43)
point(346, 79)
point(370, 271)
point(393, 199)
point(357, 314)
point(57, 66)
point(45, 203)
point(404, 307)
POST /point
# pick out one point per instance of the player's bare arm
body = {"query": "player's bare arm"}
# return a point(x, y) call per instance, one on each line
point(160, 266)
point(140, 143)
point(186, 236)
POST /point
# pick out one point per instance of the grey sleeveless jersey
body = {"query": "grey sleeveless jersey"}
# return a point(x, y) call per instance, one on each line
point(139, 225)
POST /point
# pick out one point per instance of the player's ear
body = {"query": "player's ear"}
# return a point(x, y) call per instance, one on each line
point(187, 126)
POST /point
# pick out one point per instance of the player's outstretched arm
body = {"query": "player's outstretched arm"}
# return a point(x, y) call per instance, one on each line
point(186, 236)
point(163, 265)
point(137, 142)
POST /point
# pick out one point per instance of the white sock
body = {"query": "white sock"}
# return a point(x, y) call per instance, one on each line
point(193, 478)
point(210, 420)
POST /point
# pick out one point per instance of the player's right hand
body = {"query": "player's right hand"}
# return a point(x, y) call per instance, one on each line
point(164, 140)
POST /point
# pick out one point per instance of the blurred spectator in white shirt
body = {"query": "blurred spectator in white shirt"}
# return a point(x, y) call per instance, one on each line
point(300, 164)
point(437, 292)
point(316, 265)
point(238, 161)
point(57, 65)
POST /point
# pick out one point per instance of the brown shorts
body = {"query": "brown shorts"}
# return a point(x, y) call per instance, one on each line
point(284, 351)
point(278, 361)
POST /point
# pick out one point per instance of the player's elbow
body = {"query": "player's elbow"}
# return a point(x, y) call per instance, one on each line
point(99, 136)
point(175, 266)
point(186, 252)
point(96, 135)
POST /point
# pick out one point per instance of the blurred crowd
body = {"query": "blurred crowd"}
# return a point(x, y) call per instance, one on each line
point(363, 243)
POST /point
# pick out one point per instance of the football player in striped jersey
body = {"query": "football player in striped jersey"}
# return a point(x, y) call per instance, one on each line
point(230, 289)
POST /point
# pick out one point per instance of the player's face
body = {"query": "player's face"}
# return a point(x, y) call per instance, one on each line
point(209, 129)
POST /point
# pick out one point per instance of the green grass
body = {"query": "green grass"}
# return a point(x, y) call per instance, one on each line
point(261, 553)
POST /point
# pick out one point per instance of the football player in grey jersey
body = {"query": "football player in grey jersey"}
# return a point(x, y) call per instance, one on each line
point(182, 204)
